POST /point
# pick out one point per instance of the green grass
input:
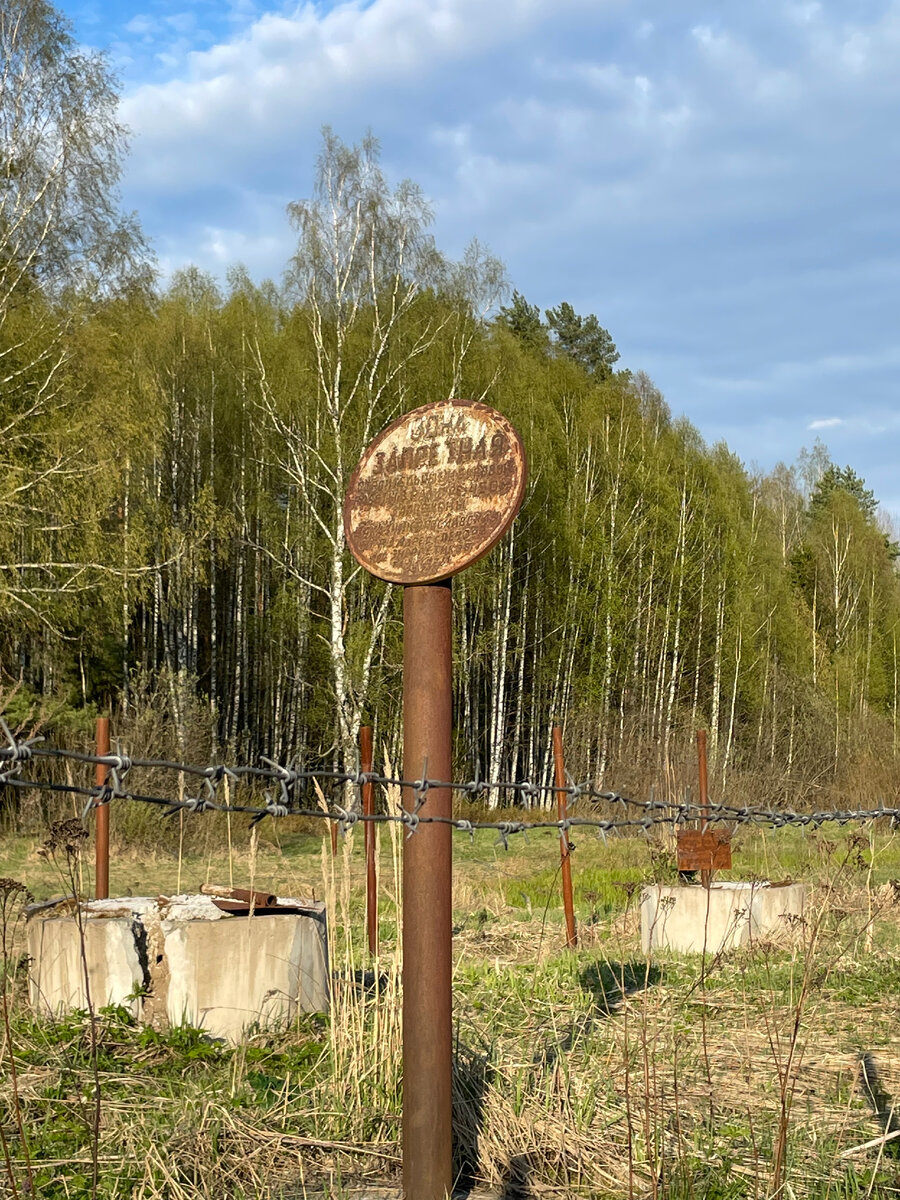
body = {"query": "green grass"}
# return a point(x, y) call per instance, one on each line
point(592, 1072)
point(158, 1080)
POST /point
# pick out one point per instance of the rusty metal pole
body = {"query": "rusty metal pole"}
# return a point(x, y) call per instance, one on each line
point(366, 762)
point(431, 495)
point(564, 849)
point(427, 895)
point(101, 833)
point(705, 876)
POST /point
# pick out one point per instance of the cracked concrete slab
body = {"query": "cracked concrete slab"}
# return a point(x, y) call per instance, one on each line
point(172, 960)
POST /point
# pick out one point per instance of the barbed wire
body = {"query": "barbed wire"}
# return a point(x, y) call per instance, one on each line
point(647, 814)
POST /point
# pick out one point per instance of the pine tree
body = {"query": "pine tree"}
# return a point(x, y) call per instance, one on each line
point(583, 340)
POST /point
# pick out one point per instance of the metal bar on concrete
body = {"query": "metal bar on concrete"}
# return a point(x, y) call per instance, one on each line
point(427, 895)
point(564, 847)
point(367, 765)
point(242, 895)
point(101, 833)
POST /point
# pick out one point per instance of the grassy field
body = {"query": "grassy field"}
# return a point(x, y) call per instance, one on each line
point(600, 1072)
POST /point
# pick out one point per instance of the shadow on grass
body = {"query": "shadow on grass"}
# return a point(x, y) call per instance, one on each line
point(472, 1075)
point(884, 1107)
point(515, 1183)
point(610, 982)
point(368, 982)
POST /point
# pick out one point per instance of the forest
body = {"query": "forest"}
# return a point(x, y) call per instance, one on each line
point(174, 459)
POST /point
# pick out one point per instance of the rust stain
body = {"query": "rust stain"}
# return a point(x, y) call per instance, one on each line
point(434, 492)
point(709, 850)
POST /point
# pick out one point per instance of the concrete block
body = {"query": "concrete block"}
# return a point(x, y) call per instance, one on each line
point(700, 920)
point(56, 983)
point(192, 962)
point(258, 971)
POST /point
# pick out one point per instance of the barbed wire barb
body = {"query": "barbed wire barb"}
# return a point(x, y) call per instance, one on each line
point(638, 816)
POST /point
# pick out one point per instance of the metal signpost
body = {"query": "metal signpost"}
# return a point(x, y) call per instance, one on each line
point(432, 494)
point(705, 850)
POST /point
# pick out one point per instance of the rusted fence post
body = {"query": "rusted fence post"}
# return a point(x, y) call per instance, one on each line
point(101, 831)
point(334, 838)
point(564, 848)
point(705, 876)
point(366, 762)
point(427, 895)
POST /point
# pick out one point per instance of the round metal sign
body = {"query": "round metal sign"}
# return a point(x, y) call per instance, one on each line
point(434, 492)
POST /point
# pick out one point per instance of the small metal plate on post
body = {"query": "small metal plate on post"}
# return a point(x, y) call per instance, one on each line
point(706, 851)
point(434, 492)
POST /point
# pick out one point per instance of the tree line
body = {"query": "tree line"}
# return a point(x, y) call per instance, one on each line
point(174, 463)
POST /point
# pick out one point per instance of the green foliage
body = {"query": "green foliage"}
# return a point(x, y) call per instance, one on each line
point(583, 339)
point(62, 716)
point(845, 479)
point(66, 252)
point(598, 891)
point(649, 585)
point(523, 320)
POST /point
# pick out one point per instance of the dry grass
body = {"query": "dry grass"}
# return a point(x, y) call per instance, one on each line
point(599, 1073)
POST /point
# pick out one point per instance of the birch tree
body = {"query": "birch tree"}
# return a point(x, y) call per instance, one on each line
point(372, 298)
point(63, 245)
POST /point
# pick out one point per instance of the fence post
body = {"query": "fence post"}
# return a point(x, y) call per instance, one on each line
point(564, 848)
point(705, 876)
point(427, 895)
point(101, 831)
point(368, 803)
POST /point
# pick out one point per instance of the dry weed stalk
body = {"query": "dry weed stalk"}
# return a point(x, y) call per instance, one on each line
point(64, 846)
point(13, 898)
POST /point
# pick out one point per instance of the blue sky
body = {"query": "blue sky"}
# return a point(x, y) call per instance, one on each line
point(719, 183)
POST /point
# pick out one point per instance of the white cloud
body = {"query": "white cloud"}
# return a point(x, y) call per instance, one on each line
point(723, 191)
point(804, 13)
point(142, 24)
point(226, 247)
point(182, 22)
point(290, 71)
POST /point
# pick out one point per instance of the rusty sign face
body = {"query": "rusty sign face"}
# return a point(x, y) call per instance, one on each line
point(434, 492)
point(706, 851)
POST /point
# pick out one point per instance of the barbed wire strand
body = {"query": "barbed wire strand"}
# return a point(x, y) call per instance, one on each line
point(290, 779)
